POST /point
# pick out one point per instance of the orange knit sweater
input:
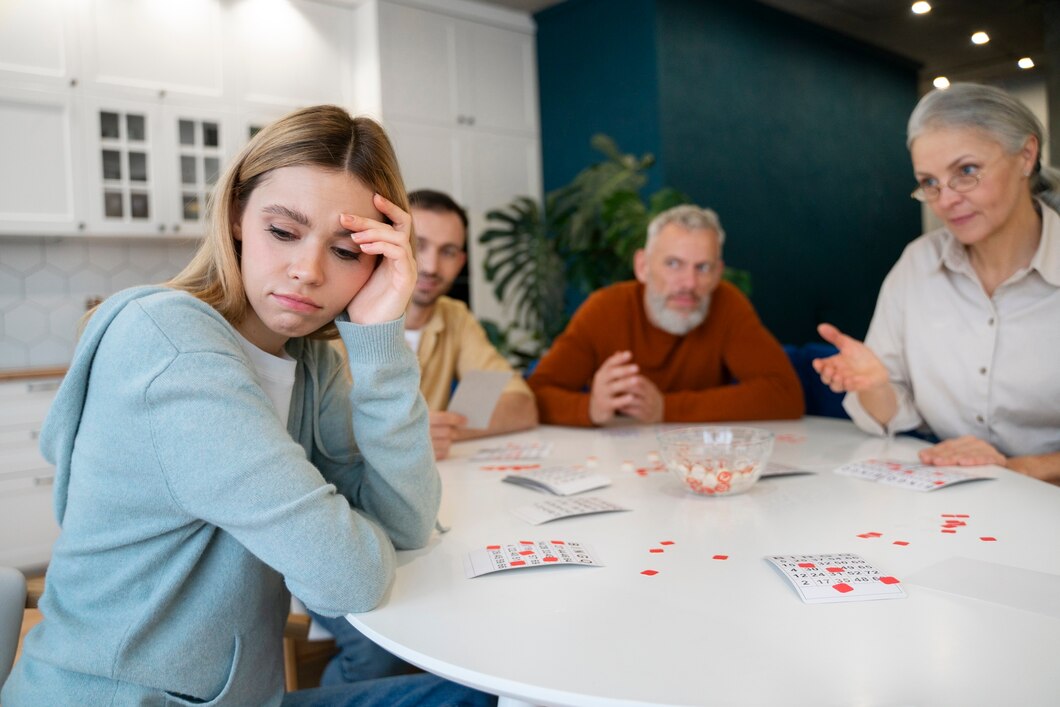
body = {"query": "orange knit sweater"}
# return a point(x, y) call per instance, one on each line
point(728, 368)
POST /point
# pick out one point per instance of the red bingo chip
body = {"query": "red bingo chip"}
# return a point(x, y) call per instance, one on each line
point(842, 587)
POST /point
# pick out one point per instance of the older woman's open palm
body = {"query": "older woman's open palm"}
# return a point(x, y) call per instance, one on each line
point(855, 368)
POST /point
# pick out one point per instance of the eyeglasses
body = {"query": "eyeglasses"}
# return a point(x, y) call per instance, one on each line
point(961, 183)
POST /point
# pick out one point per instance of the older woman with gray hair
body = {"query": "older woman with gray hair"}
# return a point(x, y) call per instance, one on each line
point(965, 340)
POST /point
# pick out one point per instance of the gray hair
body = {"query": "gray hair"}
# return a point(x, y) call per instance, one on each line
point(689, 216)
point(997, 113)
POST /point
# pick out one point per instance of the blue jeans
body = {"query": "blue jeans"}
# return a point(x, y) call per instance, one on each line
point(359, 658)
point(421, 690)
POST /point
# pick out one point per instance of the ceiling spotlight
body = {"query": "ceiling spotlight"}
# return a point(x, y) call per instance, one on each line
point(941, 82)
point(980, 38)
point(921, 8)
point(1025, 63)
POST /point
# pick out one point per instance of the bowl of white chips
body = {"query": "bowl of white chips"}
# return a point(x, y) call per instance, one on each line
point(716, 460)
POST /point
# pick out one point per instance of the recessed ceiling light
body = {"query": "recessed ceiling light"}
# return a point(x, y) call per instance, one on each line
point(941, 82)
point(1025, 63)
point(921, 8)
point(980, 38)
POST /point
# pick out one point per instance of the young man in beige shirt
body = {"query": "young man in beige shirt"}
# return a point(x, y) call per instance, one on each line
point(445, 335)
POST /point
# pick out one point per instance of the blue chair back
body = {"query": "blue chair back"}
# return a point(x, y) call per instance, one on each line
point(819, 398)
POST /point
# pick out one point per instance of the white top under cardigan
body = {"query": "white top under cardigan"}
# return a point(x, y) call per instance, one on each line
point(964, 363)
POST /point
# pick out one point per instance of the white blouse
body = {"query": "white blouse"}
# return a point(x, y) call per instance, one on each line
point(965, 363)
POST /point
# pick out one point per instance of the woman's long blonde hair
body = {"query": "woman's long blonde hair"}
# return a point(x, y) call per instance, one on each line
point(320, 136)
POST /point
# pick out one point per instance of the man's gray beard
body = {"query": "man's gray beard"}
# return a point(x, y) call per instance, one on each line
point(670, 321)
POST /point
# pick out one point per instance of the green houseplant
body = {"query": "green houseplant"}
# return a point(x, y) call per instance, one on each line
point(543, 260)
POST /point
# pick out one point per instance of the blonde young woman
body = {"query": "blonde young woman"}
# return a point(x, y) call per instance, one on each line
point(966, 335)
point(212, 457)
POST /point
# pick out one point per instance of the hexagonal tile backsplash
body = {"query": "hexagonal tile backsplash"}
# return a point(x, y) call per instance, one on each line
point(44, 288)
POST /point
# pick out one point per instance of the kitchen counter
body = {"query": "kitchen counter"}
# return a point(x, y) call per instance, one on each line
point(19, 374)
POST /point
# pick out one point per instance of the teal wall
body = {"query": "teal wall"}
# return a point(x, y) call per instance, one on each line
point(597, 73)
point(793, 134)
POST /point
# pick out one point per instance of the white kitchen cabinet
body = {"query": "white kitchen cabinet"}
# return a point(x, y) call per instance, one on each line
point(40, 166)
point(444, 70)
point(139, 49)
point(457, 93)
point(285, 54)
point(39, 119)
point(482, 170)
point(498, 78)
point(38, 44)
point(27, 519)
point(430, 157)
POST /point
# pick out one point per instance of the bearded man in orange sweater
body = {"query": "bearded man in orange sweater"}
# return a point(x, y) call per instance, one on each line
point(675, 345)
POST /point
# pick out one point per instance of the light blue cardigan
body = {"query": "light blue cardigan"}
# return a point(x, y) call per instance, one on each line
point(185, 506)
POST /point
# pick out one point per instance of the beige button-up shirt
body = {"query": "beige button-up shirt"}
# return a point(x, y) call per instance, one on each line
point(965, 363)
point(452, 342)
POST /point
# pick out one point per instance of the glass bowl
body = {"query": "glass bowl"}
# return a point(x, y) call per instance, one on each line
point(716, 460)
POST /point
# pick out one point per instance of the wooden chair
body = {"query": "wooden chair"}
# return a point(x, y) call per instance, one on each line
point(303, 660)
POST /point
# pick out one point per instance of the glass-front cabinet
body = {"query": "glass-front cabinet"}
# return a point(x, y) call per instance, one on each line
point(200, 148)
point(122, 146)
point(199, 152)
point(152, 167)
point(125, 160)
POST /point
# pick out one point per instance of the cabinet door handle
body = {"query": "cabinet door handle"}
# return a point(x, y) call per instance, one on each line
point(42, 386)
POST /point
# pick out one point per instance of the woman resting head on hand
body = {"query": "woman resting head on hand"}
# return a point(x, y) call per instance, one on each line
point(967, 326)
point(212, 456)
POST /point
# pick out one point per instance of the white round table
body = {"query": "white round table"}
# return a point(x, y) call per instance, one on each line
point(734, 632)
